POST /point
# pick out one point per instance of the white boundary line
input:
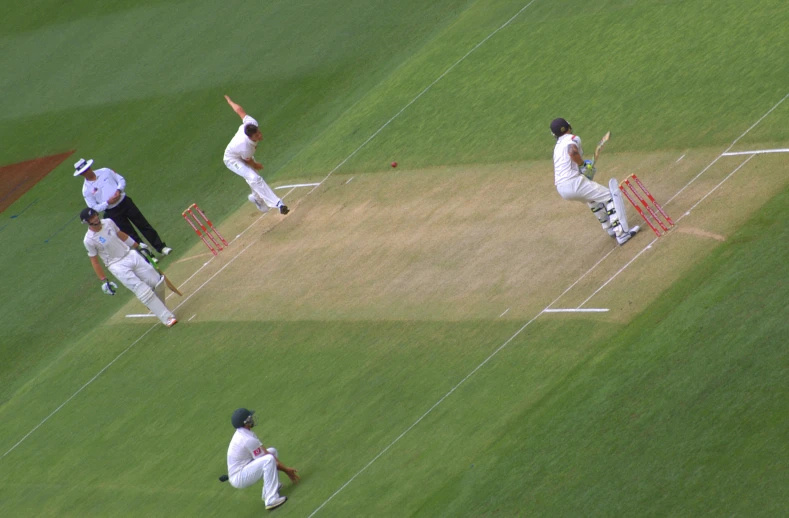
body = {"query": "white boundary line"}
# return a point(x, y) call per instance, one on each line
point(758, 152)
point(545, 310)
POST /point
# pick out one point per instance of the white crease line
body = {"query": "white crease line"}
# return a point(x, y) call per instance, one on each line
point(606, 283)
point(354, 153)
point(423, 92)
point(529, 322)
point(716, 187)
point(141, 315)
point(680, 158)
point(190, 318)
point(577, 310)
point(729, 148)
point(505, 312)
point(349, 180)
point(296, 185)
point(759, 152)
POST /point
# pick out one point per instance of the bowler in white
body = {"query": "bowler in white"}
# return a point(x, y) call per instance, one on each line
point(240, 158)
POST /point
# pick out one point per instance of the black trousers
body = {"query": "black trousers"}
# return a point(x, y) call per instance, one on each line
point(125, 214)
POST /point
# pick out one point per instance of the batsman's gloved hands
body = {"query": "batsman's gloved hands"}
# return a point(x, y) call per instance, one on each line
point(109, 287)
point(146, 254)
point(588, 169)
point(142, 246)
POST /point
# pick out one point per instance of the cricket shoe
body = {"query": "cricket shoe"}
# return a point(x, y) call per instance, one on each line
point(283, 209)
point(262, 207)
point(171, 322)
point(166, 250)
point(276, 502)
point(625, 237)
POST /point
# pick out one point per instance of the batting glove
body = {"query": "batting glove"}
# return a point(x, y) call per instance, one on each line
point(148, 255)
point(109, 287)
point(142, 246)
point(588, 169)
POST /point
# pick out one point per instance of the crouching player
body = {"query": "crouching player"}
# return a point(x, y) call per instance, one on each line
point(104, 240)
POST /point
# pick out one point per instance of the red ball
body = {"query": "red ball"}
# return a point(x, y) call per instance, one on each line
point(394, 164)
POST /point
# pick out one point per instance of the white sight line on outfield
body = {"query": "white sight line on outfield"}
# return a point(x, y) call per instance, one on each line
point(423, 92)
point(757, 152)
point(77, 392)
point(141, 315)
point(258, 219)
point(397, 439)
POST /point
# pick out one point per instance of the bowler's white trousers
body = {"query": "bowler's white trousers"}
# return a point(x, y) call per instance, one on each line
point(259, 187)
point(264, 467)
point(144, 281)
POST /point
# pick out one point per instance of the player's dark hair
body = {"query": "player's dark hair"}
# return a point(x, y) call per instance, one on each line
point(250, 129)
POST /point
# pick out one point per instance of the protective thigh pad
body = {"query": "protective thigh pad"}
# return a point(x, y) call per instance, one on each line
point(619, 204)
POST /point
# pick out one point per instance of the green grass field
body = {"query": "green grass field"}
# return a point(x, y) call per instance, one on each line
point(390, 331)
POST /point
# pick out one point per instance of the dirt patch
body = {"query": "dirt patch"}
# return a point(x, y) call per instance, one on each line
point(458, 243)
point(17, 179)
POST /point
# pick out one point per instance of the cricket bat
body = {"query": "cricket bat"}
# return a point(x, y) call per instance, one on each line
point(600, 147)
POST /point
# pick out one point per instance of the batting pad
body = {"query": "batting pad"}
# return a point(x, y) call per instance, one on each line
point(619, 204)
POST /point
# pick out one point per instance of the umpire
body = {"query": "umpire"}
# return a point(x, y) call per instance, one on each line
point(104, 190)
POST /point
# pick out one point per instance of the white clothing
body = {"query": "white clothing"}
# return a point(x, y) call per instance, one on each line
point(144, 281)
point(105, 243)
point(260, 189)
point(97, 192)
point(247, 463)
point(581, 188)
point(563, 166)
point(241, 146)
point(128, 267)
point(574, 186)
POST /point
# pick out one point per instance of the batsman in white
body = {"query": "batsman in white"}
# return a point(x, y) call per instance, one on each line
point(104, 240)
point(573, 178)
point(248, 460)
point(240, 158)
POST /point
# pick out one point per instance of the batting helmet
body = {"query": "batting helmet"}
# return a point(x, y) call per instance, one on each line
point(86, 214)
point(559, 127)
point(242, 417)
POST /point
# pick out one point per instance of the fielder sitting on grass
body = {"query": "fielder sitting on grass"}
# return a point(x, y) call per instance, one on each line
point(573, 178)
point(239, 158)
point(248, 461)
point(104, 240)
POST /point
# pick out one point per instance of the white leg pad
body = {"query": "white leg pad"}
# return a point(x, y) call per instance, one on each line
point(159, 289)
point(619, 206)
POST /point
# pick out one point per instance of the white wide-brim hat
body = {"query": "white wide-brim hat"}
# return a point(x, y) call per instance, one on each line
point(82, 165)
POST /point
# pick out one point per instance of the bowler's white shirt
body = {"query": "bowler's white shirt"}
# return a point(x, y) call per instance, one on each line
point(105, 243)
point(244, 448)
point(242, 147)
point(563, 166)
point(98, 191)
